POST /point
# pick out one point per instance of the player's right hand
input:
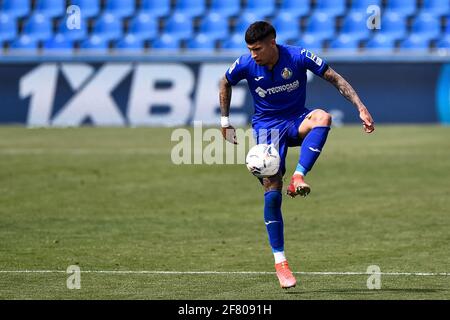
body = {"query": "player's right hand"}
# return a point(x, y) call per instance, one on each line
point(367, 120)
point(229, 134)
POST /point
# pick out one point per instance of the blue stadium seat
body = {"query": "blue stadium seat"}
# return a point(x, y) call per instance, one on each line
point(402, 7)
point(88, 8)
point(38, 27)
point(415, 43)
point(156, 8)
point(345, 43)
point(201, 42)
point(58, 43)
point(436, 7)
point(444, 43)
point(380, 42)
point(331, 7)
point(214, 26)
point(166, 42)
point(8, 27)
point(130, 43)
point(120, 8)
point(355, 26)
point(179, 26)
point(73, 34)
point(310, 42)
point(393, 26)
point(297, 8)
point(143, 26)
point(361, 6)
point(108, 26)
point(244, 21)
point(262, 8)
point(24, 42)
point(320, 25)
point(235, 43)
point(15, 8)
point(190, 8)
point(426, 26)
point(51, 8)
point(95, 43)
point(226, 8)
point(287, 27)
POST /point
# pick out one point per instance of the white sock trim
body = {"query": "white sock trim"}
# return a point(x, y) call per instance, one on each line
point(279, 257)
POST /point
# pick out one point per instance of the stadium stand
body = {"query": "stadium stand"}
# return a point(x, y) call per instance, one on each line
point(361, 6)
point(331, 7)
point(394, 26)
point(214, 26)
point(354, 26)
point(130, 43)
point(219, 25)
point(120, 8)
point(404, 8)
point(143, 26)
point(95, 43)
point(58, 44)
point(225, 8)
point(297, 8)
point(90, 8)
point(51, 8)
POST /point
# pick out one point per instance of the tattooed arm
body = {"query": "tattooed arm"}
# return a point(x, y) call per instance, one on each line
point(350, 94)
point(228, 131)
point(224, 97)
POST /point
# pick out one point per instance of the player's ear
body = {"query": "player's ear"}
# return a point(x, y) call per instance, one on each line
point(273, 42)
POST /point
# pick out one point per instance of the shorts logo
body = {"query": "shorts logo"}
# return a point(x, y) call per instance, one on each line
point(261, 92)
point(286, 73)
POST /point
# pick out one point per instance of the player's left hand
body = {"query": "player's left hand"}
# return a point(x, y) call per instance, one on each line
point(367, 120)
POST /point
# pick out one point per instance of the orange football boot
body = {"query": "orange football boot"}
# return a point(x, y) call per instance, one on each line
point(284, 274)
point(298, 186)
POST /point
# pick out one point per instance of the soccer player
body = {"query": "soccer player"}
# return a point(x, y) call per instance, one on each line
point(276, 77)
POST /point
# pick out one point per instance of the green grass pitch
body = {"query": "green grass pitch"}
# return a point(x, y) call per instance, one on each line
point(110, 199)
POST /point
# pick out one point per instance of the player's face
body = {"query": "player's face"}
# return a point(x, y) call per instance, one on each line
point(262, 51)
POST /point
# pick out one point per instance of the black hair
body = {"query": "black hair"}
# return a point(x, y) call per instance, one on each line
point(258, 31)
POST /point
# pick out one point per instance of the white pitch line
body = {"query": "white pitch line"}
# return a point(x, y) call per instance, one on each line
point(443, 274)
point(79, 151)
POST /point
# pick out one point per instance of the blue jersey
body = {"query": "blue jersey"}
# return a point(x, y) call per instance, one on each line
point(278, 94)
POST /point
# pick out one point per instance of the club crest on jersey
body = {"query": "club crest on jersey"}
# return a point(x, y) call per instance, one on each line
point(286, 73)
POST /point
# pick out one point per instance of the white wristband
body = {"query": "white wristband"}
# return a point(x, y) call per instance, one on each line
point(224, 122)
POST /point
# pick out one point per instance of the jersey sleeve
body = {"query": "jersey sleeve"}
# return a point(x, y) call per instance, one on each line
point(313, 62)
point(236, 72)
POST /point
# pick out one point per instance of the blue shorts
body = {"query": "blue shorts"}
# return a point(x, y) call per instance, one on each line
point(283, 135)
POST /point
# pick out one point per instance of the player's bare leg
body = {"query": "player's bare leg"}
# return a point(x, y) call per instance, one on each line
point(318, 118)
point(274, 224)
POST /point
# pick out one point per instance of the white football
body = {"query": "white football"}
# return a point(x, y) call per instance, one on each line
point(263, 160)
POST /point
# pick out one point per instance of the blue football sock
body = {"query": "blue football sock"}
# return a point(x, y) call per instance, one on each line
point(274, 219)
point(311, 148)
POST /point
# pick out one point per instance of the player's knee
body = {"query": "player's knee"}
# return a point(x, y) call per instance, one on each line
point(274, 183)
point(321, 118)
